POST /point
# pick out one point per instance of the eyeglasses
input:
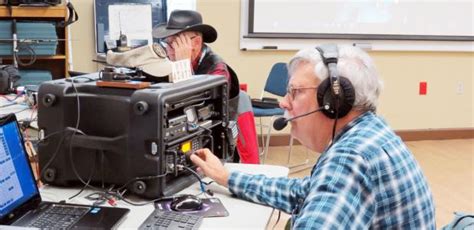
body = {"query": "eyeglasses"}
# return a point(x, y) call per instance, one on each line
point(292, 92)
point(168, 41)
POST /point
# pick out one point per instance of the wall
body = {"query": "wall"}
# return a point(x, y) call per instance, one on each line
point(400, 104)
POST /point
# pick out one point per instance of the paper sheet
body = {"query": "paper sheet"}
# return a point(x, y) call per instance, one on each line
point(133, 20)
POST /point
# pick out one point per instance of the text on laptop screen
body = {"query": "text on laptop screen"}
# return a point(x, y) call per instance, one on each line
point(17, 183)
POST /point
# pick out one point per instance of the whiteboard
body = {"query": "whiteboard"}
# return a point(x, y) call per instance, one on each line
point(372, 24)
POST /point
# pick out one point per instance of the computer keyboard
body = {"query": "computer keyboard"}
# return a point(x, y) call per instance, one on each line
point(160, 219)
point(59, 217)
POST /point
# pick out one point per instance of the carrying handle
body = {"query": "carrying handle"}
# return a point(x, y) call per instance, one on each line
point(114, 144)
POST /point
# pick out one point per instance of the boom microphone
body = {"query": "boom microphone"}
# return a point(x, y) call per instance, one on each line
point(281, 122)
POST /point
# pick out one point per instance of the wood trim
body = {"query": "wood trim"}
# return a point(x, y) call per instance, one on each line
point(435, 134)
point(36, 12)
point(406, 135)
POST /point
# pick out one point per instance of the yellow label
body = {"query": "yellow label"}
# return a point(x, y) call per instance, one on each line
point(186, 147)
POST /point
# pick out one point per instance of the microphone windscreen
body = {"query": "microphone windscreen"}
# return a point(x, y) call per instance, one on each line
point(280, 123)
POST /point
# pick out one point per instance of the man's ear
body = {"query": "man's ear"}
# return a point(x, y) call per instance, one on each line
point(197, 41)
point(197, 45)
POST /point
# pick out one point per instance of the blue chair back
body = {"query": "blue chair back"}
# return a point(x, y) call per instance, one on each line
point(277, 80)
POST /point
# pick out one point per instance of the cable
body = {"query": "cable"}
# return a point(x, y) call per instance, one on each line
point(11, 100)
point(88, 181)
point(58, 132)
point(278, 219)
point(28, 48)
point(209, 135)
point(7, 105)
point(74, 79)
point(53, 157)
point(57, 149)
point(201, 184)
point(116, 192)
point(459, 220)
point(73, 166)
point(120, 197)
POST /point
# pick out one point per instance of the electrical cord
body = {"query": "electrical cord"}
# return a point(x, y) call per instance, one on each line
point(202, 183)
point(74, 79)
point(7, 105)
point(11, 100)
point(101, 197)
point(209, 135)
point(52, 157)
point(57, 132)
point(57, 148)
point(73, 165)
point(278, 219)
point(27, 47)
point(105, 195)
point(120, 197)
point(88, 181)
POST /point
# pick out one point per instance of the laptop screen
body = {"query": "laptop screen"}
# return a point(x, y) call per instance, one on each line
point(17, 184)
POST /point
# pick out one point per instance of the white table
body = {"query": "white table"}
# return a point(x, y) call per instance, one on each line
point(18, 106)
point(242, 214)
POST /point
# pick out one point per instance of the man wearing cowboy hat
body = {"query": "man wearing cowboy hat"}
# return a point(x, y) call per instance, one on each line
point(184, 37)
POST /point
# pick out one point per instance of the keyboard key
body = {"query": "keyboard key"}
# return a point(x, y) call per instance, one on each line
point(159, 219)
point(59, 216)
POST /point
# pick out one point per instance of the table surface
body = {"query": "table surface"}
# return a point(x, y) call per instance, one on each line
point(242, 214)
point(18, 105)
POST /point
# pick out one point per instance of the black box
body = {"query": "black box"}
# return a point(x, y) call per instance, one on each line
point(129, 138)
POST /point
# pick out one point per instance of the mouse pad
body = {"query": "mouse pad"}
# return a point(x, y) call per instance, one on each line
point(211, 207)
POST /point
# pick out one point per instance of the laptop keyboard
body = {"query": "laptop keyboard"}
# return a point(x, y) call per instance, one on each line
point(159, 219)
point(59, 216)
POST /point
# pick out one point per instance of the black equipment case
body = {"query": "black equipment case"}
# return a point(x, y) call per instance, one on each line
point(134, 139)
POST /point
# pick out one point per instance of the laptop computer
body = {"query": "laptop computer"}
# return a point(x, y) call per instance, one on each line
point(20, 200)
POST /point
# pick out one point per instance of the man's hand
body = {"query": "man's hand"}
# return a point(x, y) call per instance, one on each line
point(211, 166)
point(182, 47)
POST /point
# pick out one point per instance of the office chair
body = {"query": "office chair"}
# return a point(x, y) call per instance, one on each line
point(275, 84)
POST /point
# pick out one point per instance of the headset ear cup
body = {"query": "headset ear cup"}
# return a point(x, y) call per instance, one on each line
point(324, 97)
point(347, 97)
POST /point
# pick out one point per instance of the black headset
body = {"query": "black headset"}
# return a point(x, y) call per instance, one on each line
point(335, 91)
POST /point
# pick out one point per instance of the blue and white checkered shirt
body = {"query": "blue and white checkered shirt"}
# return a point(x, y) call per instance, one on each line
point(367, 179)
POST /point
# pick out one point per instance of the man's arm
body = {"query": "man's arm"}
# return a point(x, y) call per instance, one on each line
point(212, 167)
point(281, 193)
point(341, 195)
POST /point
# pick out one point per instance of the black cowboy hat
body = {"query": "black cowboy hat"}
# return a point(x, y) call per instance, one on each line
point(185, 20)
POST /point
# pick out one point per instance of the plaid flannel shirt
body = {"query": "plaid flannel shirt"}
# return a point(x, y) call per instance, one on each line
point(367, 179)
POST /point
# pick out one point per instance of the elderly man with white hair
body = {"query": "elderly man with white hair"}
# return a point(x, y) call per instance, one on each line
point(365, 178)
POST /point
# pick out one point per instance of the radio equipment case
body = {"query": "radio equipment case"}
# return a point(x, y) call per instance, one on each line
point(134, 139)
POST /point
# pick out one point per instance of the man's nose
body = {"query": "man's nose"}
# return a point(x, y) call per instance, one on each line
point(284, 103)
